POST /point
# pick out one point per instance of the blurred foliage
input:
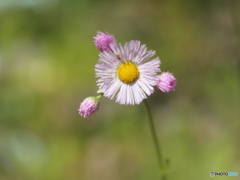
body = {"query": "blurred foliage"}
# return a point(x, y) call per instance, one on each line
point(47, 60)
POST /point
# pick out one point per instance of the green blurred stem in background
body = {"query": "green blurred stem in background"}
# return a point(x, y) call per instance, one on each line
point(162, 164)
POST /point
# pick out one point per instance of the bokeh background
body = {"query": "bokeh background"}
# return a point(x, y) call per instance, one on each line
point(47, 59)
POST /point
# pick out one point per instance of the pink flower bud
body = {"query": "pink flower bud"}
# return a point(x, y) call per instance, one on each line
point(88, 106)
point(103, 41)
point(166, 82)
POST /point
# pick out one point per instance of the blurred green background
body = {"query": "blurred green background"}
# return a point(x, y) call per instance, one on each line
point(47, 59)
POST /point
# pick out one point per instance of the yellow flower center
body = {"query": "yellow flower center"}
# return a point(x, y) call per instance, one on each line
point(128, 72)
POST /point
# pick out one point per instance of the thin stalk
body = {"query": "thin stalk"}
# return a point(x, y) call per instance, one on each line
point(162, 165)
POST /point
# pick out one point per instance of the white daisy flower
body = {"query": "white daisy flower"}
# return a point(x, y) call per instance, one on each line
point(126, 73)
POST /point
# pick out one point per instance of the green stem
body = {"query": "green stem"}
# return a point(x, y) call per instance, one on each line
point(99, 96)
point(162, 165)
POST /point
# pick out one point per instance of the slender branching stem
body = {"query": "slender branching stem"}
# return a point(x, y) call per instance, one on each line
point(162, 164)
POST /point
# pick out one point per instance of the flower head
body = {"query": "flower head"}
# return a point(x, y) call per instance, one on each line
point(126, 73)
point(103, 41)
point(166, 82)
point(88, 106)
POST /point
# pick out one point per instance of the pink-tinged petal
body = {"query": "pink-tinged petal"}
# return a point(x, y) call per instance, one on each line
point(89, 106)
point(103, 41)
point(166, 82)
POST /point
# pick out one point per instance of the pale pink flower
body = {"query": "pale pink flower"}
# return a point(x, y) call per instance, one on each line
point(166, 82)
point(103, 41)
point(88, 106)
point(126, 73)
